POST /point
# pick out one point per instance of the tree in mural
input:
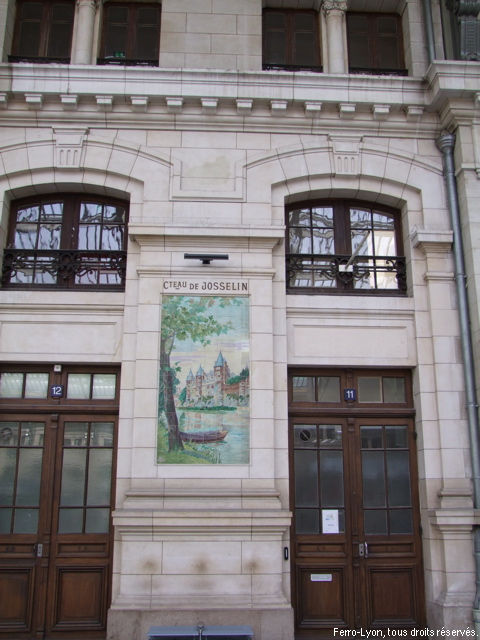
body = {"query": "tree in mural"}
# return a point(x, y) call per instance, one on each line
point(182, 318)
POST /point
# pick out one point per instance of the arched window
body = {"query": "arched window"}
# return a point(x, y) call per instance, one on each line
point(343, 246)
point(66, 241)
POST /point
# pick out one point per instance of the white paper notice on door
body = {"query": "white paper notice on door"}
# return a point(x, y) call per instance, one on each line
point(330, 521)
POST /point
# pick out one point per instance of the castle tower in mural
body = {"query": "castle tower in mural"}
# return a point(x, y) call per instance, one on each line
point(218, 387)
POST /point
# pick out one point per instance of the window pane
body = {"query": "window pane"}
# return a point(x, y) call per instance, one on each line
point(25, 236)
point(304, 49)
point(73, 477)
point(369, 389)
point(303, 389)
point(25, 521)
point(396, 437)
point(330, 436)
point(89, 237)
point(60, 35)
point(328, 389)
point(52, 212)
point(371, 437)
point(8, 434)
point(331, 479)
point(112, 238)
point(75, 434)
point(398, 478)
point(375, 522)
point(104, 386)
point(323, 241)
point(300, 218)
point(147, 33)
point(101, 434)
point(36, 385)
point(78, 386)
point(31, 434)
point(401, 521)
point(5, 520)
point(307, 521)
point(11, 385)
point(306, 478)
point(70, 521)
point(99, 477)
point(361, 242)
point(373, 474)
point(28, 214)
point(360, 219)
point(322, 217)
point(8, 463)
point(305, 436)
point(97, 520)
point(394, 390)
point(28, 477)
point(300, 240)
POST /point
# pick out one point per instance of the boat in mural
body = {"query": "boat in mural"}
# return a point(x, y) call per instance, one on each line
point(203, 436)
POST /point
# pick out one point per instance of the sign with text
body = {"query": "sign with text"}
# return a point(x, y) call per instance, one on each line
point(200, 286)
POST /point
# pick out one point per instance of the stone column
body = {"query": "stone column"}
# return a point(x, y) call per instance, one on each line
point(336, 35)
point(82, 49)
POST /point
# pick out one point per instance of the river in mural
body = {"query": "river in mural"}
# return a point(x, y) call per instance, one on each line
point(204, 392)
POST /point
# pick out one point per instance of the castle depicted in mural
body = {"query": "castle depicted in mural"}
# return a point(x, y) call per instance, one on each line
point(217, 387)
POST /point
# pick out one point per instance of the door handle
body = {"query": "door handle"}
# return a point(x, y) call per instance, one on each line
point(363, 550)
point(39, 550)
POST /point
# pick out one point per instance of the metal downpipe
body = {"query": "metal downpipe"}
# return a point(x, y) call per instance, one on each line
point(446, 143)
point(430, 38)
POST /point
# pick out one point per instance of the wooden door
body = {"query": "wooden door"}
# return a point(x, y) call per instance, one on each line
point(356, 552)
point(56, 491)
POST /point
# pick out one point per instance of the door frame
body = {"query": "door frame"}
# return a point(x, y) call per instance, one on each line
point(40, 610)
point(350, 412)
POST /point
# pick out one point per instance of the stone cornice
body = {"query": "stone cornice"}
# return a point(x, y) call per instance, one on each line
point(185, 97)
point(453, 87)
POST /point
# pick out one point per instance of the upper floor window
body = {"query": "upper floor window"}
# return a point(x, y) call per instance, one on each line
point(43, 31)
point(290, 40)
point(66, 241)
point(344, 246)
point(131, 33)
point(375, 43)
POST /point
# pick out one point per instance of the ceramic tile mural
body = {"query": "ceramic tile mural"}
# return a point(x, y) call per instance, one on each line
point(204, 391)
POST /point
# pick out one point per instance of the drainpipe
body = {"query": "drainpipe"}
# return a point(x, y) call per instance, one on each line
point(446, 143)
point(427, 12)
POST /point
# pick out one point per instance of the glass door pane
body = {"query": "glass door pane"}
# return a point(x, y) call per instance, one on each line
point(86, 481)
point(21, 456)
point(319, 479)
point(387, 496)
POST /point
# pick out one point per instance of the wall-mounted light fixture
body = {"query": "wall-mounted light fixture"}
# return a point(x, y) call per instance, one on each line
point(205, 257)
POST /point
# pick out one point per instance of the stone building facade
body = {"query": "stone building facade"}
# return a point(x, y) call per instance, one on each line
point(134, 134)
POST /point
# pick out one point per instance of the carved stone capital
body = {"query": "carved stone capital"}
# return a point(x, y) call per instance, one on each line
point(334, 5)
point(467, 8)
point(87, 3)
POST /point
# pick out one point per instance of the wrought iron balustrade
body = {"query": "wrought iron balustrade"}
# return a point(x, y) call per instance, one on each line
point(127, 62)
point(334, 272)
point(39, 59)
point(372, 71)
point(63, 268)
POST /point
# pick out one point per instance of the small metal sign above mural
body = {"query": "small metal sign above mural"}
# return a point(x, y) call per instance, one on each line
point(204, 390)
